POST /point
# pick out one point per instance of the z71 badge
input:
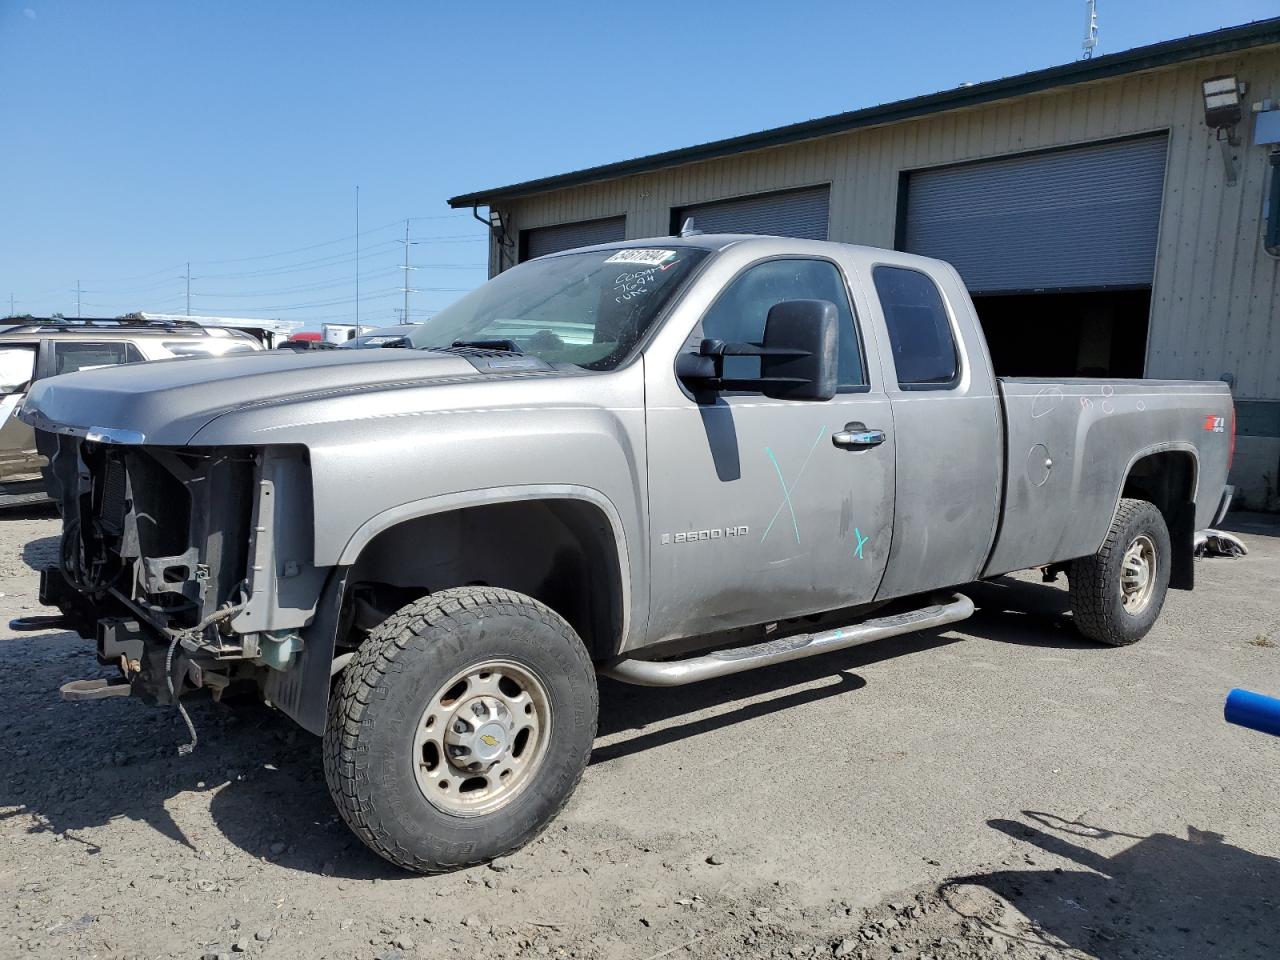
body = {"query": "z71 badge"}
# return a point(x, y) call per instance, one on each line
point(694, 536)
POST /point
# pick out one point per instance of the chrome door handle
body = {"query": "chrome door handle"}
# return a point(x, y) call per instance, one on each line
point(856, 436)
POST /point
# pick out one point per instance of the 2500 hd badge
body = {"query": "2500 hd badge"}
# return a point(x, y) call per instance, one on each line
point(693, 536)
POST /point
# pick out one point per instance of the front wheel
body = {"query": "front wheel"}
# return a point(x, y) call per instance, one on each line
point(460, 728)
point(1117, 594)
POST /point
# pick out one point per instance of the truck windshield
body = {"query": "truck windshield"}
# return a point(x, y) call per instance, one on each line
point(588, 309)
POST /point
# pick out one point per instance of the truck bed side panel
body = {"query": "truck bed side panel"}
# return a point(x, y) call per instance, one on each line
point(1069, 445)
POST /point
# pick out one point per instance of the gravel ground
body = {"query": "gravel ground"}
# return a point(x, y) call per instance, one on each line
point(998, 790)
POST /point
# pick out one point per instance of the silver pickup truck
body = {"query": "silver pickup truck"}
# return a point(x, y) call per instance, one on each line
point(663, 460)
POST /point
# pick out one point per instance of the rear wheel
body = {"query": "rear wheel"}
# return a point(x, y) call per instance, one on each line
point(460, 728)
point(1117, 594)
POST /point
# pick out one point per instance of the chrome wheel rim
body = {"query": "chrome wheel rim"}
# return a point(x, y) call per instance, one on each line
point(481, 738)
point(1138, 574)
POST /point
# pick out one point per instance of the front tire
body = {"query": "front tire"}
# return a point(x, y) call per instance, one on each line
point(1117, 594)
point(460, 728)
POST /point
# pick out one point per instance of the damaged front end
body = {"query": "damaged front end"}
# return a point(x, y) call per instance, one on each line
point(191, 568)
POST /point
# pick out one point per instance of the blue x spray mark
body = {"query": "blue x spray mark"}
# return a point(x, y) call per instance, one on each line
point(862, 542)
point(786, 490)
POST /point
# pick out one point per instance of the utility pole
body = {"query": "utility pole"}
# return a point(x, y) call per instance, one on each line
point(187, 277)
point(77, 299)
point(11, 313)
point(406, 268)
point(357, 266)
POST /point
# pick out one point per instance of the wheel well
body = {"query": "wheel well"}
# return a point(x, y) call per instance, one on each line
point(1168, 480)
point(561, 552)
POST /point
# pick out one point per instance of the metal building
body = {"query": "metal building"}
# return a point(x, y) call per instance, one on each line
point(1115, 216)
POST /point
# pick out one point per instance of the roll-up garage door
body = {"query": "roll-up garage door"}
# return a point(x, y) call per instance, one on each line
point(1081, 218)
point(795, 213)
point(565, 236)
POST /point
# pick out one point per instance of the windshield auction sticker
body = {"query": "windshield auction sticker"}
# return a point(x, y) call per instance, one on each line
point(652, 258)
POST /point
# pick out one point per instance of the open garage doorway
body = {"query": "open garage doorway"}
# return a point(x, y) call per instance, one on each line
point(1074, 334)
point(1057, 248)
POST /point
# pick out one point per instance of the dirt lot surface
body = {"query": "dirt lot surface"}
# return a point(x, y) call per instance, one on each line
point(998, 790)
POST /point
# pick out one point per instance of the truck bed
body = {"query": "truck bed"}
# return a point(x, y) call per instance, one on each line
point(1069, 445)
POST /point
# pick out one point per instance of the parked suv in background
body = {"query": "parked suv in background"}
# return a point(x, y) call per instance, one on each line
point(33, 349)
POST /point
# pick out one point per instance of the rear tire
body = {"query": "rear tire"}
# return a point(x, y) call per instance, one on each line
point(1117, 594)
point(460, 728)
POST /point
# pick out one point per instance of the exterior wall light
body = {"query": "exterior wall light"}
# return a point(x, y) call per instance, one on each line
point(1222, 105)
point(1221, 114)
point(497, 225)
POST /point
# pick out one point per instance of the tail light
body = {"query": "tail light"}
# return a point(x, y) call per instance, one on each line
point(1231, 448)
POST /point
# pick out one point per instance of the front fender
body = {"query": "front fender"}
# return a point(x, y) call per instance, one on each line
point(445, 503)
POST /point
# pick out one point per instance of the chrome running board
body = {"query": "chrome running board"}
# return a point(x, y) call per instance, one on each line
point(673, 673)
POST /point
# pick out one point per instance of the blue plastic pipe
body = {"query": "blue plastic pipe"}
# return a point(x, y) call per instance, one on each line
point(1245, 708)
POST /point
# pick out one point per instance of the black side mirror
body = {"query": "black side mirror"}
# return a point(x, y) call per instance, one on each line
point(799, 357)
point(801, 350)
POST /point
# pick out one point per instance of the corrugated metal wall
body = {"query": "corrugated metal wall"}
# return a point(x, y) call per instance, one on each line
point(1214, 304)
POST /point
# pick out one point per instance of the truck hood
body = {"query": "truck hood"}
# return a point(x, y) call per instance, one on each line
point(166, 402)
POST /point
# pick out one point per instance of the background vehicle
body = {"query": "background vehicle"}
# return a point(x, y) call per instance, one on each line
point(397, 336)
point(42, 348)
point(337, 333)
point(394, 336)
point(299, 344)
point(614, 458)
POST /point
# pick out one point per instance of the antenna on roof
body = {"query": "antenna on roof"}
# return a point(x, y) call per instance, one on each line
point(1090, 28)
point(689, 230)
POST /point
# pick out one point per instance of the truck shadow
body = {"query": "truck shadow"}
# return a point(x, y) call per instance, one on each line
point(624, 707)
point(40, 553)
point(1160, 895)
point(1025, 613)
point(75, 767)
point(1009, 611)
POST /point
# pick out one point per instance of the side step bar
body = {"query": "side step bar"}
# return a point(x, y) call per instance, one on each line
point(42, 622)
point(673, 673)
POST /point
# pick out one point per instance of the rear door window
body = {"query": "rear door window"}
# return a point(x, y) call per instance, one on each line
point(920, 334)
point(71, 356)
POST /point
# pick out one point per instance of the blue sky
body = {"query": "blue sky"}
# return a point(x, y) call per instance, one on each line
point(140, 135)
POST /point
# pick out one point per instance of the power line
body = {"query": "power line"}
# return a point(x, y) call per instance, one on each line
point(342, 301)
point(329, 260)
point(303, 266)
point(306, 287)
point(303, 287)
point(120, 287)
point(330, 243)
point(167, 281)
point(307, 305)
